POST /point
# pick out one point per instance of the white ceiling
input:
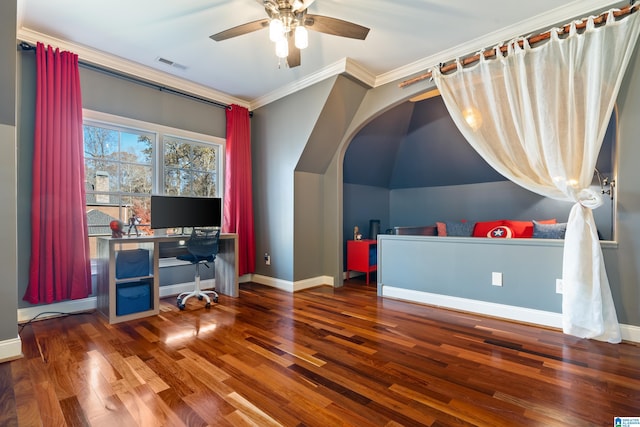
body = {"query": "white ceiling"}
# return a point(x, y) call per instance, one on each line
point(406, 38)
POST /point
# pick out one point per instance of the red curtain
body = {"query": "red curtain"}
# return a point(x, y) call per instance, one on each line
point(238, 194)
point(60, 267)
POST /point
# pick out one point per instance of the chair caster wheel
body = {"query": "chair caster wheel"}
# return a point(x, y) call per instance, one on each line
point(200, 298)
point(207, 305)
point(181, 306)
point(215, 299)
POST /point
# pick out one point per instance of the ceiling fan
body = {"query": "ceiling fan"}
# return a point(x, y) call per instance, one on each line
point(288, 22)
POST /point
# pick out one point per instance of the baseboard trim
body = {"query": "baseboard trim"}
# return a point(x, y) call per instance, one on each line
point(520, 314)
point(289, 286)
point(91, 303)
point(10, 349)
point(56, 309)
point(630, 333)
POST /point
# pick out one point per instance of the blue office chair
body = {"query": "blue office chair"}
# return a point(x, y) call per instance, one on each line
point(203, 248)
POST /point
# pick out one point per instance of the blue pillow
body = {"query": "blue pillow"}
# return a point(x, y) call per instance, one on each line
point(549, 231)
point(460, 229)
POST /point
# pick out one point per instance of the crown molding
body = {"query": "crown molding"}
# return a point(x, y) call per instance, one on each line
point(359, 72)
point(343, 66)
point(128, 67)
point(559, 15)
point(324, 73)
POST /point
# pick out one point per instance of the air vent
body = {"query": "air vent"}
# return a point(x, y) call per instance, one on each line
point(170, 63)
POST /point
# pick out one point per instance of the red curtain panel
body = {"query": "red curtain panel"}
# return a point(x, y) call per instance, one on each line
point(60, 267)
point(238, 194)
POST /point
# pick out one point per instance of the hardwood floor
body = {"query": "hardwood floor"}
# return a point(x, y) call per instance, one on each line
point(320, 357)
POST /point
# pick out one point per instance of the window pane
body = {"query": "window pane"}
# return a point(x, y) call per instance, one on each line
point(135, 178)
point(137, 214)
point(204, 158)
point(176, 154)
point(176, 182)
point(203, 184)
point(99, 217)
point(190, 167)
point(100, 143)
point(101, 175)
point(136, 147)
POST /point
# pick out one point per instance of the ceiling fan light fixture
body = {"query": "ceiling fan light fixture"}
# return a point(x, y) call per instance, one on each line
point(289, 22)
point(302, 37)
point(282, 48)
point(276, 30)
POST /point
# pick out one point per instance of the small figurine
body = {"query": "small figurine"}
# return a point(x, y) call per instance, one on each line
point(356, 233)
point(134, 221)
point(116, 228)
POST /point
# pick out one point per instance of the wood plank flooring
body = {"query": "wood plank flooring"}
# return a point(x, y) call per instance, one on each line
point(320, 357)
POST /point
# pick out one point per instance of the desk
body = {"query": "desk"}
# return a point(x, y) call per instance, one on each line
point(226, 271)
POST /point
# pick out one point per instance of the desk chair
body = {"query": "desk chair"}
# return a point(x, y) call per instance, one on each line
point(202, 248)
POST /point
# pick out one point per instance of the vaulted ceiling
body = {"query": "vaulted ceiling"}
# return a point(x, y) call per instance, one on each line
point(418, 145)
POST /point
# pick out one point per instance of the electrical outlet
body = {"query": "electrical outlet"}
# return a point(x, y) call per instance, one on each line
point(267, 258)
point(496, 279)
point(558, 286)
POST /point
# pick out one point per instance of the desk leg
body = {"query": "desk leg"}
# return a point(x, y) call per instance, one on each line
point(226, 267)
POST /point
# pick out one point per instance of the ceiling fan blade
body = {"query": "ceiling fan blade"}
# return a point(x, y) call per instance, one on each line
point(249, 27)
point(336, 27)
point(293, 59)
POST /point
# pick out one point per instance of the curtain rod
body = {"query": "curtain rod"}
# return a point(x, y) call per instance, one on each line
point(27, 46)
point(503, 49)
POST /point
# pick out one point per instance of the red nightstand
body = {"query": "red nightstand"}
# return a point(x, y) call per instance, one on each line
point(362, 255)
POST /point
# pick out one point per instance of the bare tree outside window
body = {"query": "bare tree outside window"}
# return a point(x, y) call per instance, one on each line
point(190, 168)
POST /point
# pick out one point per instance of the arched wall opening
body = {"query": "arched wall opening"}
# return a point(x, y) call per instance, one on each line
point(410, 166)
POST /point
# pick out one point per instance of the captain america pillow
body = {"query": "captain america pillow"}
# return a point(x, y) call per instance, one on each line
point(500, 232)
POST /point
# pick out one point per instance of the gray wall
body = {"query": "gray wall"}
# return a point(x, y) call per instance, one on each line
point(309, 260)
point(362, 203)
point(294, 140)
point(622, 263)
point(107, 94)
point(462, 267)
point(279, 134)
point(308, 216)
point(113, 95)
point(8, 172)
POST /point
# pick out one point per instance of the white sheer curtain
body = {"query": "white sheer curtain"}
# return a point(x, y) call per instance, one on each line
point(538, 116)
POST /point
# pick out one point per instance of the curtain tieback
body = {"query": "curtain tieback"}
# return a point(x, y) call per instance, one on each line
point(589, 198)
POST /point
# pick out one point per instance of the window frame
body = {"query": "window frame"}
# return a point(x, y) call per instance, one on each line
point(120, 123)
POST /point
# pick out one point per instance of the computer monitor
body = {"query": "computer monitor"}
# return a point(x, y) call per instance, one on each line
point(181, 211)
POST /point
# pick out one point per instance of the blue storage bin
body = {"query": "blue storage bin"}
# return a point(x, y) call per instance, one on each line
point(132, 263)
point(373, 255)
point(133, 297)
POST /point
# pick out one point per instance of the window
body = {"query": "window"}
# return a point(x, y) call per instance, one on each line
point(189, 168)
point(126, 161)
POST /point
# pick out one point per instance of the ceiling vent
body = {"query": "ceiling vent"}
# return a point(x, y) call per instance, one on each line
point(170, 63)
